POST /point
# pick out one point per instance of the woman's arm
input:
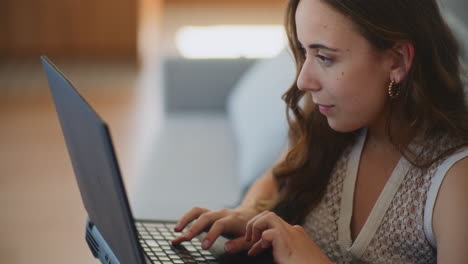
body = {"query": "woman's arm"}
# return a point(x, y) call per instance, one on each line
point(450, 218)
point(264, 190)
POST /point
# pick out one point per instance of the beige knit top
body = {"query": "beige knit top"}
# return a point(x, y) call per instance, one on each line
point(399, 227)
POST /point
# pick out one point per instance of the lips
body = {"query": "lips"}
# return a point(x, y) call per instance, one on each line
point(322, 105)
point(324, 109)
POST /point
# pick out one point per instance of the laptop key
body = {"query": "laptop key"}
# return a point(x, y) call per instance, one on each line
point(205, 252)
point(174, 256)
point(151, 243)
point(191, 248)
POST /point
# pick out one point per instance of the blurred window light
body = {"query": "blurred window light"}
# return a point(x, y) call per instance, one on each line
point(231, 41)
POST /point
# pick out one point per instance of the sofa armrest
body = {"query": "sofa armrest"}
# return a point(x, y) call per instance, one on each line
point(200, 85)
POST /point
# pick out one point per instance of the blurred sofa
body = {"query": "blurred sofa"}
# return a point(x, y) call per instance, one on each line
point(217, 113)
point(224, 126)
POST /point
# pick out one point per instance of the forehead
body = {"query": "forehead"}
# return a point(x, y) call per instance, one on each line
point(318, 22)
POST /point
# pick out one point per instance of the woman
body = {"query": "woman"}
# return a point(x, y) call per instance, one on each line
point(377, 167)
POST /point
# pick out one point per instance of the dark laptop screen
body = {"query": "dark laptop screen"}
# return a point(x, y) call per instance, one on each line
point(95, 166)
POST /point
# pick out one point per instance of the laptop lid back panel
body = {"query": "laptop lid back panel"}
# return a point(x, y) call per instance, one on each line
point(95, 167)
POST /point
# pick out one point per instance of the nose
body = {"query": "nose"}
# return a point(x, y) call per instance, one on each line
point(306, 80)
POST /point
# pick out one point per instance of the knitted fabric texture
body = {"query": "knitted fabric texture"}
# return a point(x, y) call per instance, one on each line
point(400, 236)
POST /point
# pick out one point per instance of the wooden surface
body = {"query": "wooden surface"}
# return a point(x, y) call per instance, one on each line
point(68, 28)
point(220, 2)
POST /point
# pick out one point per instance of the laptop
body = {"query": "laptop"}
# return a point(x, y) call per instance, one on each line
point(112, 234)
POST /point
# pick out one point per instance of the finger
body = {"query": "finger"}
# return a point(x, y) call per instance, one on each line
point(180, 239)
point(194, 213)
point(226, 225)
point(248, 228)
point(236, 245)
point(267, 221)
point(199, 225)
point(299, 228)
point(256, 249)
point(249, 231)
point(264, 243)
point(219, 227)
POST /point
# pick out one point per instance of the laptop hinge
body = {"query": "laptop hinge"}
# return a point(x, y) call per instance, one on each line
point(98, 245)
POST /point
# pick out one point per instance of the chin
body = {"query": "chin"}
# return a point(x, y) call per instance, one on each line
point(342, 127)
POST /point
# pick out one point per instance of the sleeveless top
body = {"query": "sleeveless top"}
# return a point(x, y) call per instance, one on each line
point(398, 228)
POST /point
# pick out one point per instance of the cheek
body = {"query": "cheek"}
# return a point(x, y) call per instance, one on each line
point(358, 88)
point(363, 100)
point(344, 88)
point(340, 76)
point(361, 85)
point(360, 102)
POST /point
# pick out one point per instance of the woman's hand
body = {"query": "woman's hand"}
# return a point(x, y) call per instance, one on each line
point(290, 244)
point(225, 221)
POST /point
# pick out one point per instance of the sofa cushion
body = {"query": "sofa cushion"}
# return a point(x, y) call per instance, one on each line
point(257, 115)
point(191, 163)
point(459, 30)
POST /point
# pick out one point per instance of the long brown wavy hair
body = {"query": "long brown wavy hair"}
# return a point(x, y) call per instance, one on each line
point(432, 98)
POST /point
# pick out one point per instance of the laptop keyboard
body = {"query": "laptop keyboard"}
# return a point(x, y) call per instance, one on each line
point(155, 240)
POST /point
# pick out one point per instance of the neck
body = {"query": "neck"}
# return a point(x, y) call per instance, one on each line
point(378, 133)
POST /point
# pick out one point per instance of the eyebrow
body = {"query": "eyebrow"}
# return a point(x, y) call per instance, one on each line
point(321, 46)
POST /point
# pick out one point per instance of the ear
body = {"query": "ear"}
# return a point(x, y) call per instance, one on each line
point(402, 59)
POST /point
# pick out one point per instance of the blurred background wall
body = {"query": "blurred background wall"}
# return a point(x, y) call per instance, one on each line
point(119, 29)
point(115, 29)
point(458, 7)
point(70, 28)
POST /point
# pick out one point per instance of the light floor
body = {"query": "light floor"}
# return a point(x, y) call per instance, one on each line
point(42, 219)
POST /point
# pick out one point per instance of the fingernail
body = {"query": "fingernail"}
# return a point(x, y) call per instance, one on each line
point(176, 240)
point(206, 243)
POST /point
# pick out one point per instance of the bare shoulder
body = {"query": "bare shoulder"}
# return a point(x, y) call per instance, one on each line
point(450, 218)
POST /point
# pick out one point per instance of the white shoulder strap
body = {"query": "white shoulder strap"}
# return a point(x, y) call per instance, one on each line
point(434, 190)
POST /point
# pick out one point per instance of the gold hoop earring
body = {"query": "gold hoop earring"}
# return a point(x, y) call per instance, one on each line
point(393, 93)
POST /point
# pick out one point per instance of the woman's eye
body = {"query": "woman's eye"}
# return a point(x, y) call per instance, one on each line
point(323, 58)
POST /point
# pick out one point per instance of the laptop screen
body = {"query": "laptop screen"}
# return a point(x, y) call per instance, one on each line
point(95, 167)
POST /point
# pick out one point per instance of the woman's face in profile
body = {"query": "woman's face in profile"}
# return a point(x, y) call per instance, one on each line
point(347, 78)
